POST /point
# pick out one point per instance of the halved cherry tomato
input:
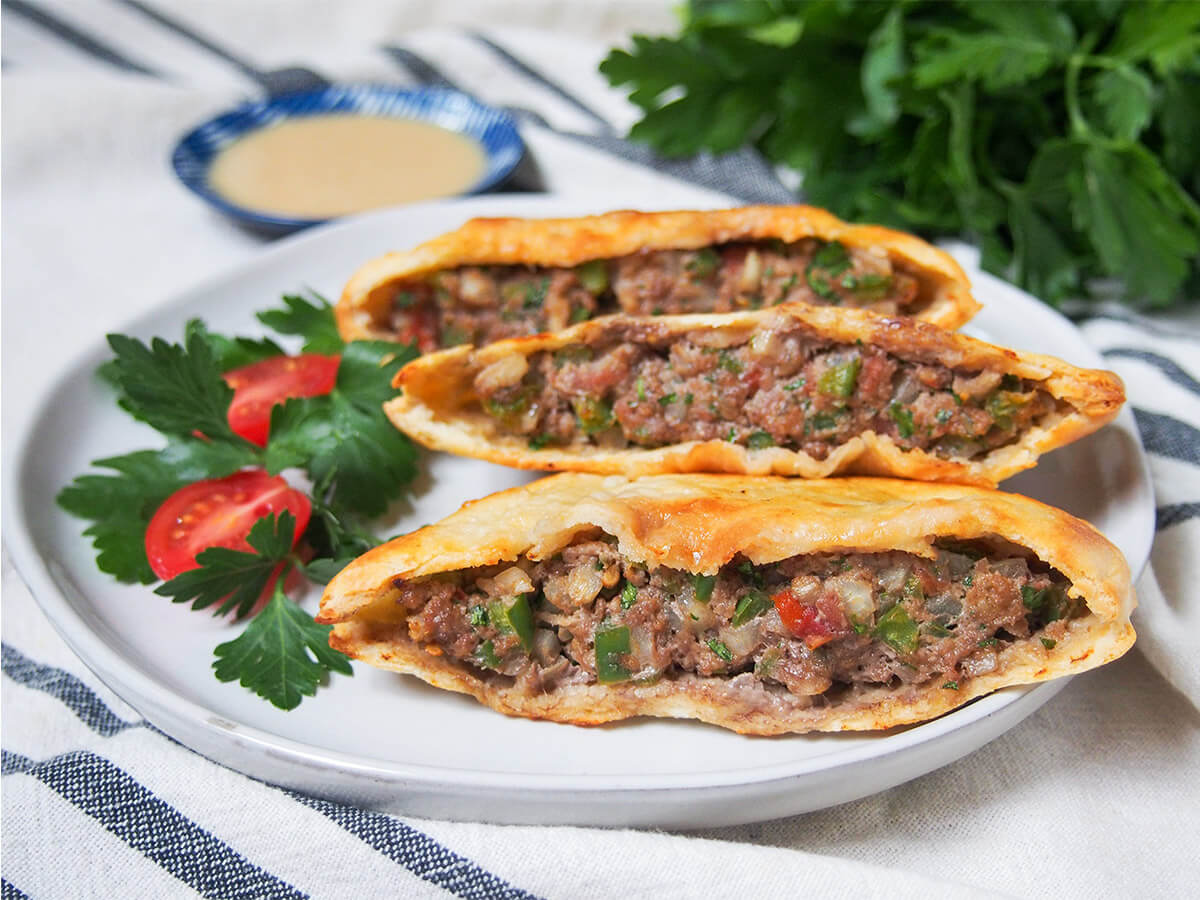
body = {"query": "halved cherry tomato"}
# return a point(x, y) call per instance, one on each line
point(259, 386)
point(217, 513)
point(816, 624)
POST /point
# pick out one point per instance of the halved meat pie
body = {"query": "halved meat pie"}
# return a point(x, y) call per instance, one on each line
point(796, 390)
point(501, 278)
point(764, 605)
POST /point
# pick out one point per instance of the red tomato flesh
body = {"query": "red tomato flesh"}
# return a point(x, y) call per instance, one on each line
point(420, 327)
point(816, 624)
point(260, 386)
point(217, 513)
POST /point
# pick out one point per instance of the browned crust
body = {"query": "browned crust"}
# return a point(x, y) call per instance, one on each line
point(697, 523)
point(438, 406)
point(568, 242)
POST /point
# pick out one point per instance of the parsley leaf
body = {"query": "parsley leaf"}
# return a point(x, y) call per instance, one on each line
point(883, 62)
point(1140, 228)
point(282, 655)
point(947, 118)
point(313, 321)
point(325, 569)
point(335, 537)
point(235, 578)
point(368, 368)
point(1124, 98)
point(232, 353)
point(366, 460)
point(1041, 259)
point(121, 506)
point(343, 439)
point(1181, 128)
point(176, 389)
point(1164, 33)
point(998, 60)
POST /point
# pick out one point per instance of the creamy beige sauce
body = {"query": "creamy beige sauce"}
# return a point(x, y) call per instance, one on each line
point(314, 167)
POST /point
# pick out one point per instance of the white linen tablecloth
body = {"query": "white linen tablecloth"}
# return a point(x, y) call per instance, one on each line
point(1095, 795)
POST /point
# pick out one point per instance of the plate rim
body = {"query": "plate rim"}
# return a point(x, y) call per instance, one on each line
point(142, 691)
point(191, 164)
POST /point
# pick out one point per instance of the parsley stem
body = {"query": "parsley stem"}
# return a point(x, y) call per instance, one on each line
point(1079, 124)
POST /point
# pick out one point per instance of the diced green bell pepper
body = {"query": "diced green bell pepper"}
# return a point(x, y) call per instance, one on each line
point(760, 440)
point(513, 618)
point(718, 647)
point(509, 411)
point(896, 628)
point(903, 418)
point(821, 422)
point(840, 380)
point(594, 414)
point(612, 643)
point(752, 605)
point(593, 276)
point(867, 287)
point(485, 655)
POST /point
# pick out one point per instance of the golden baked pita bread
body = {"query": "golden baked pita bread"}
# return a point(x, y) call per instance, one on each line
point(441, 406)
point(725, 525)
point(369, 305)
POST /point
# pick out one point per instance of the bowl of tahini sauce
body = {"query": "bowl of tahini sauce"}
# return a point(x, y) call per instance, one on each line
point(296, 160)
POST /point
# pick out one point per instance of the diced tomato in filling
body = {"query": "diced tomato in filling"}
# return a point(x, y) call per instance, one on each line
point(814, 623)
point(421, 327)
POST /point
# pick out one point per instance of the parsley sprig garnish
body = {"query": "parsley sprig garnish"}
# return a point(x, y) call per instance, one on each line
point(176, 389)
point(342, 439)
point(120, 505)
point(282, 655)
point(358, 464)
point(235, 579)
point(308, 320)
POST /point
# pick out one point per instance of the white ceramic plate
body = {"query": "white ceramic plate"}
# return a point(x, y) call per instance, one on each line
point(391, 742)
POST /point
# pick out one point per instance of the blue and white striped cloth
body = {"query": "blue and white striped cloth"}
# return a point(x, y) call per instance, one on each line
point(1095, 795)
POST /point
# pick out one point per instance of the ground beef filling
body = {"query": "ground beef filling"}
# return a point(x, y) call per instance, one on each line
point(481, 304)
point(780, 388)
point(809, 625)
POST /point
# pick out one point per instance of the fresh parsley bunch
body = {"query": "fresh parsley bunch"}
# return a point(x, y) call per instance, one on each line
point(1063, 137)
point(357, 462)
